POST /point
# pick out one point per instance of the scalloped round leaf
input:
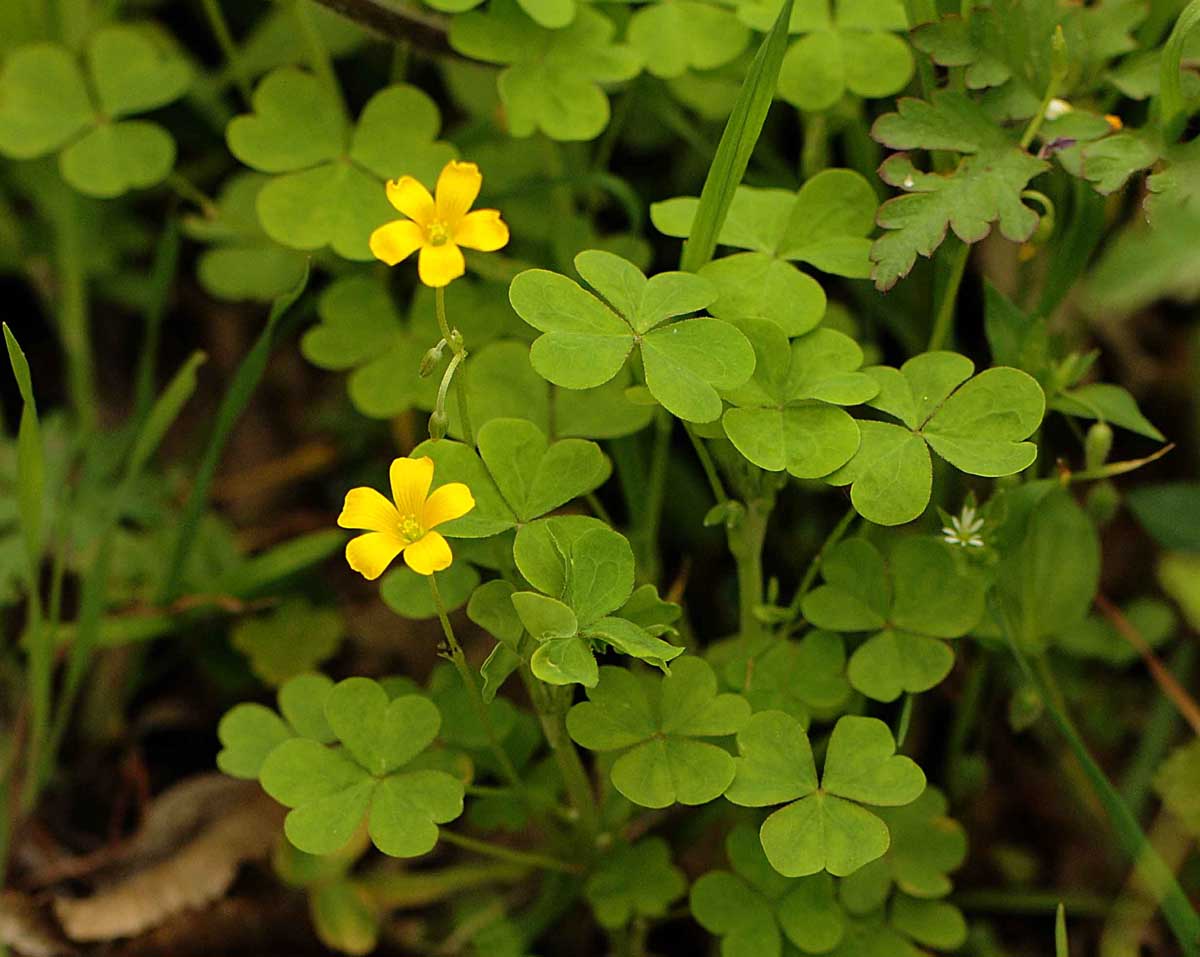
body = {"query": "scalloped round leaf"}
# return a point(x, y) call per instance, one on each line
point(334, 204)
point(755, 285)
point(396, 135)
point(132, 72)
point(893, 662)
point(296, 124)
point(408, 807)
point(674, 36)
point(382, 735)
point(891, 475)
point(822, 832)
point(979, 428)
point(686, 362)
point(44, 101)
point(248, 733)
point(876, 64)
point(327, 791)
point(808, 440)
point(111, 160)
point(408, 595)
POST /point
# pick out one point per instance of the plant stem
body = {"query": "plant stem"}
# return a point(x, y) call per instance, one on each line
point(810, 574)
point(458, 368)
point(552, 714)
point(943, 323)
point(397, 890)
point(73, 311)
point(746, 541)
point(468, 679)
point(814, 155)
point(706, 463)
point(656, 489)
point(512, 855)
point(220, 29)
point(1032, 902)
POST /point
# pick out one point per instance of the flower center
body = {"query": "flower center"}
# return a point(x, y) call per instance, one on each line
point(438, 233)
point(410, 528)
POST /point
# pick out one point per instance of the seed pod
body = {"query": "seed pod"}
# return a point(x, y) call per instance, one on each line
point(1097, 445)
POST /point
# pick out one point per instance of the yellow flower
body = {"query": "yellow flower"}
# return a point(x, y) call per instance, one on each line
point(405, 526)
point(438, 227)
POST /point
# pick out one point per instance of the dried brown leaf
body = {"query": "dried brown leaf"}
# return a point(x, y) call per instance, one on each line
point(27, 929)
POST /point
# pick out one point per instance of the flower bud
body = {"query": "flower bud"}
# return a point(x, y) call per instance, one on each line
point(1102, 502)
point(1097, 445)
point(438, 423)
point(455, 341)
point(430, 360)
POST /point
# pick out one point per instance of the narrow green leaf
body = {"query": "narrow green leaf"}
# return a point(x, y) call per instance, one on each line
point(164, 412)
point(1061, 947)
point(31, 477)
point(234, 403)
point(737, 143)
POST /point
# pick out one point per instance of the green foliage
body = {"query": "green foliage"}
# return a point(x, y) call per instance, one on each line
point(1178, 782)
point(585, 341)
point(326, 188)
point(635, 879)
point(823, 825)
point(49, 104)
point(943, 407)
point(921, 593)
point(659, 725)
point(290, 640)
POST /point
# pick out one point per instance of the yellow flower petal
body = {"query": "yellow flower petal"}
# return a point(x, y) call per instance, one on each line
point(396, 240)
point(412, 199)
point(430, 554)
point(482, 229)
point(365, 508)
point(440, 265)
point(457, 187)
point(370, 554)
point(448, 502)
point(410, 480)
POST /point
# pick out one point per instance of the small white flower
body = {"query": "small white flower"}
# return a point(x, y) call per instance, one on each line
point(1056, 108)
point(909, 182)
point(964, 529)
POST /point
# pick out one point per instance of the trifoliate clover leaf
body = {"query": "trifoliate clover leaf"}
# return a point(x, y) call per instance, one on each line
point(977, 424)
point(805, 678)
point(552, 81)
point(921, 593)
point(249, 732)
point(361, 331)
point(587, 341)
point(634, 880)
point(659, 725)
point(243, 262)
point(330, 790)
point(290, 639)
point(674, 36)
point(328, 190)
point(1178, 782)
point(754, 909)
point(929, 923)
point(551, 14)
point(584, 571)
point(848, 45)
point(822, 826)
point(491, 608)
point(926, 846)
point(47, 105)
point(787, 416)
point(986, 186)
point(824, 224)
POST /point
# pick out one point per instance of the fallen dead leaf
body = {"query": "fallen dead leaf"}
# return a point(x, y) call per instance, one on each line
point(26, 928)
point(186, 855)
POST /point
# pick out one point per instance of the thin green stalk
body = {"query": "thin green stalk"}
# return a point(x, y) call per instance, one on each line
point(656, 489)
point(1058, 73)
point(459, 660)
point(220, 29)
point(810, 574)
point(707, 464)
point(598, 508)
point(746, 540)
point(245, 380)
point(943, 324)
point(814, 155)
point(395, 890)
point(1180, 916)
point(166, 260)
point(552, 715)
point(455, 340)
point(512, 855)
point(73, 320)
point(919, 12)
point(318, 55)
point(1156, 736)
point(188, 191)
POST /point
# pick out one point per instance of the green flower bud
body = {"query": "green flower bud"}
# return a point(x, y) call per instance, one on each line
point(1097, 445)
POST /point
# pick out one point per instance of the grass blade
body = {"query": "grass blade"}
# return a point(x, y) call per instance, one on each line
point(1061, 947)
point(233, 404)
point(737, 143)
